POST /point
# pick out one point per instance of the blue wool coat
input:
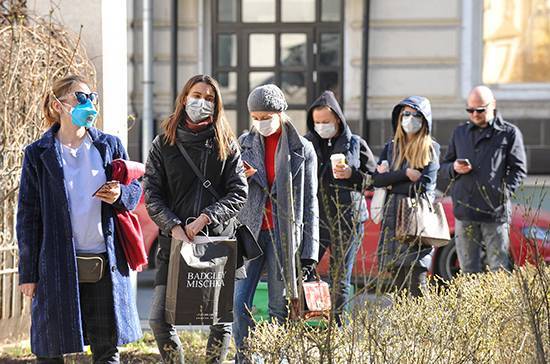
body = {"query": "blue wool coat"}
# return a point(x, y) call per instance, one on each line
point(47, 254)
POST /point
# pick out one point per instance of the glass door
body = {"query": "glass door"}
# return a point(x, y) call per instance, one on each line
point(295, 44)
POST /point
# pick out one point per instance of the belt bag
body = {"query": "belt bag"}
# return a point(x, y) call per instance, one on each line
point(91, 267)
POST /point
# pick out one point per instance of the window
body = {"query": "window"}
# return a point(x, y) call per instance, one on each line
point(516, 41)
point(295, 44)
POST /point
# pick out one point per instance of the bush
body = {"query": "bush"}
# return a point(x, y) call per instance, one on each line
point(487, 318)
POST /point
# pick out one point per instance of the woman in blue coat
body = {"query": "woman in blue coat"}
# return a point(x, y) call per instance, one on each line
point(407, 168)
point(66, 210)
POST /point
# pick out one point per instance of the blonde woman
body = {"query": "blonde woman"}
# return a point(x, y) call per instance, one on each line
point(408, 166)
point(65, 216)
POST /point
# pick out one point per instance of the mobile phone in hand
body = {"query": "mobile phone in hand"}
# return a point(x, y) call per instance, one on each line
point(103, 185)
point(248, 167)
point(464, 161)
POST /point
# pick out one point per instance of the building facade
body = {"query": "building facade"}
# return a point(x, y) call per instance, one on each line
point(438, 49)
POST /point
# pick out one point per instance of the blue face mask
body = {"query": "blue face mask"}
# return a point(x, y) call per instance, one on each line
point(84, 114)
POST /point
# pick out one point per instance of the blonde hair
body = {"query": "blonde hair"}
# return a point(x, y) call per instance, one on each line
point(417, 151)
point(224, 134)
point(59, 89)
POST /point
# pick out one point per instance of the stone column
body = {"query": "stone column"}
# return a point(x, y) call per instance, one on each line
point(104, 36)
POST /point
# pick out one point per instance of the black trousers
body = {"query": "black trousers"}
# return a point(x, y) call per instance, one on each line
point(98, 322)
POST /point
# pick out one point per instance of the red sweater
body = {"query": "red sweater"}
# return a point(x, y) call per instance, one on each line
point(270, 150)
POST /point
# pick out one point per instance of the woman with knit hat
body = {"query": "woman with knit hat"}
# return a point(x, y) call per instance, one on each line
point(282, 208)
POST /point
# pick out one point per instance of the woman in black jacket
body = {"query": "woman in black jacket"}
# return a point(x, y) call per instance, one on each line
point(342, 205)
point(407, 168)
point(174, 195)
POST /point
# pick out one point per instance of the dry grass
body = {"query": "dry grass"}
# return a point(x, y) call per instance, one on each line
point(142, 351)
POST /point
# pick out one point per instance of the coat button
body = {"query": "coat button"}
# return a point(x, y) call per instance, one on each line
point(113, 268)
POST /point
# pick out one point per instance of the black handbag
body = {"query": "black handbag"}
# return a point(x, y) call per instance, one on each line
point(246, 240)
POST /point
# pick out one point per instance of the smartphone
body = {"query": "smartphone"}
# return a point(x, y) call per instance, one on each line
point(247, 165)
point(103, 185)
point(464, 161)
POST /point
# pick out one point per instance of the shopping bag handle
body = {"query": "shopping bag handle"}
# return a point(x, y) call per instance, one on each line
point(207, 234)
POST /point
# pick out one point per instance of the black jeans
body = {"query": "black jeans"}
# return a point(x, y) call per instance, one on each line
point(98, 322)
point(411, 278)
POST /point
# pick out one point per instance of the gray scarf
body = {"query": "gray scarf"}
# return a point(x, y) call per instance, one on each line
point(285, 209)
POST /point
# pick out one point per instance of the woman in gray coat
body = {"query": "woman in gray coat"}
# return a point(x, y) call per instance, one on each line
point(282, 208)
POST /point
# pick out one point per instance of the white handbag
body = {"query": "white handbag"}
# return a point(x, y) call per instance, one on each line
point(377, 205)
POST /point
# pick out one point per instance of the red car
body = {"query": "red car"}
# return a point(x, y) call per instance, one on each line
point(529, 239)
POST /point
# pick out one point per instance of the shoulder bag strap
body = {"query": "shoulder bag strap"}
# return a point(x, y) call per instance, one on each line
point(205, 182)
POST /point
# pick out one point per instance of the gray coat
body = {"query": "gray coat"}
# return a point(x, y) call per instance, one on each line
point(303, 163)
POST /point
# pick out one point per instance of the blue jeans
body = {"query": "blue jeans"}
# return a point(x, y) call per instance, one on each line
point(168, 341)
point(471, 236)
point(342, 258)
point(245, 288)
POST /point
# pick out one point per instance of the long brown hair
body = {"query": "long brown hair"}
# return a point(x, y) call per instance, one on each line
point(59, 89)
point(224, 134)
point(417, 151)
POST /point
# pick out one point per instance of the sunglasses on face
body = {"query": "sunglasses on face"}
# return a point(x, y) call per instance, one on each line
point(479, 110)
point(83, 97)
point(416, 114)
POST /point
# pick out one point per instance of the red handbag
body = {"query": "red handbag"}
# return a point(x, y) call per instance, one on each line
point(127, 224)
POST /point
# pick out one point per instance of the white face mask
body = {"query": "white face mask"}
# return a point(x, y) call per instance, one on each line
point(411, 124)
point(198, 109)
point(326, 130)
point(267, 127)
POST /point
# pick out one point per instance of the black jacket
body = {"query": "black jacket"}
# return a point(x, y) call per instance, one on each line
point(173, 193)
point(349, 192)
point(397, 180)
point(499, 165)
point(393, 255)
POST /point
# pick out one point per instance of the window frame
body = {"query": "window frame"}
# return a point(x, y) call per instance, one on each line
point(472, 61)
point(312, 31)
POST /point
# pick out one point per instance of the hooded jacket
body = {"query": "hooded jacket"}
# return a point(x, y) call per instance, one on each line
point(392, 254)
point(397, 180)
point(347, 192)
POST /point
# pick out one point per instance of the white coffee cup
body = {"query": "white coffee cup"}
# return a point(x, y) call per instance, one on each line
point(336, 159)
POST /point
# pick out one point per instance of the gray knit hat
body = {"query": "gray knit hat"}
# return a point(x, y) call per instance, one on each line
point(267, 98)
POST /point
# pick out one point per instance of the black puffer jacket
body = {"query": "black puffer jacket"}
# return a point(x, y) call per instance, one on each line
point(173, 193)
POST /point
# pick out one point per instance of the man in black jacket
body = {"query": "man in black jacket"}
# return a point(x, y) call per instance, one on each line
point(486, 163)
point(342, 206)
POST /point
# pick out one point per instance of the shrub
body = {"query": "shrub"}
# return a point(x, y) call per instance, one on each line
point(487, 318)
